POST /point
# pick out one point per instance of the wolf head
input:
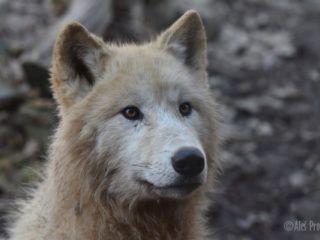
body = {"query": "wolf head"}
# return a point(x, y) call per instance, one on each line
point(139, 120)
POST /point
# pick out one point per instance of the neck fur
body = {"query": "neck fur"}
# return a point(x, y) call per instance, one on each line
point(143, 220)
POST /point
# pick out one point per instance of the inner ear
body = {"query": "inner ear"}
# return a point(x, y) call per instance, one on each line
point(77, 59)
point(78, 53)
point(186, 40)
point(185, 47)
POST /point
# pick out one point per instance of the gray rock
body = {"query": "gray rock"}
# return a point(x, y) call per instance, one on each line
point(12, 88)
point(254, 49)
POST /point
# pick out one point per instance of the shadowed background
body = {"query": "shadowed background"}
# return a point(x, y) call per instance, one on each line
point(264, 68)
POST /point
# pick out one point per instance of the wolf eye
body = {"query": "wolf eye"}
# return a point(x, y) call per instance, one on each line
point(132, 113)
point(185, 109)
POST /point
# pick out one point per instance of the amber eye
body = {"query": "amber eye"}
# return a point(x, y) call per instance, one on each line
point(185, 109)
point(132, 113)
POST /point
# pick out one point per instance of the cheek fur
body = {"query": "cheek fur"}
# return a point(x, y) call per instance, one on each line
point(120, 139)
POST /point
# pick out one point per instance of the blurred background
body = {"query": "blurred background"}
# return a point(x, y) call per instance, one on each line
point(264, 68)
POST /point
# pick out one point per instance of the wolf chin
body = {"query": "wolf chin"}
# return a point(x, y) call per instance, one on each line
point(137, 147)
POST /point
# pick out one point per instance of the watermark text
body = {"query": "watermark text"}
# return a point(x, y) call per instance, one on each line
point(301, 226)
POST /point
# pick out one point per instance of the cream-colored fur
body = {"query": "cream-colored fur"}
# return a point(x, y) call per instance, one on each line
point(107, 176)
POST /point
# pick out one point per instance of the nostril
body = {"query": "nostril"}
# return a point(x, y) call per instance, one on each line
point(188, 162)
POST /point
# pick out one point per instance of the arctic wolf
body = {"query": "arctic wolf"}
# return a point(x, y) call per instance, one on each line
point(137, 146)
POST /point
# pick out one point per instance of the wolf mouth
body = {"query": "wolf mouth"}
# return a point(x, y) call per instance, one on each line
point(181, 186)
point(176, 187)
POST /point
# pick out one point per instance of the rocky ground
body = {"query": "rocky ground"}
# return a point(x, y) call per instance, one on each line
point(264, 68)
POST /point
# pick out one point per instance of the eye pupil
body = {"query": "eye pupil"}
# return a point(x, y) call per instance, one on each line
point(185, 109)
point(131, 112)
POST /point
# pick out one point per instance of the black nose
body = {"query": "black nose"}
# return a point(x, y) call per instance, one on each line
point(188, 162)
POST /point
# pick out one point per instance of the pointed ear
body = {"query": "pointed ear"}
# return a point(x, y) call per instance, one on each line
point(78, 61)
point(186, 40)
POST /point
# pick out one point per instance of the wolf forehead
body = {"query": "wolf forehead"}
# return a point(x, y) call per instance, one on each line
point(142, 75)
point(140, 64)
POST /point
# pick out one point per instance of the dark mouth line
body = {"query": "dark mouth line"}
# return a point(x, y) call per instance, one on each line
point(175, 186)
point(193, 185)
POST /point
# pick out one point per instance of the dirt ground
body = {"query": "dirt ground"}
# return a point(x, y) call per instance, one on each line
point(264, 68)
